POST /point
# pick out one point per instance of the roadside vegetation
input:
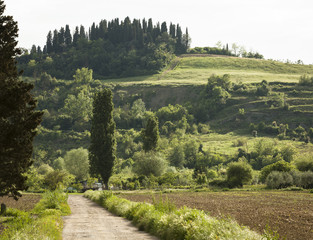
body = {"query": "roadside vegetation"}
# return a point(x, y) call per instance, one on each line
point(44, 221)
point(163, 220)
point(286, 212)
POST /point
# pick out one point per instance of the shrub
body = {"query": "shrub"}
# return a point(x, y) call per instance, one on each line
point(53, 200)
point(305, 163)
point(238, 173)
point(211, 174)
point(277, 180)
point(306, 80)
point(281, 166)
point(306, 180)
point(56, 178)
point(221, 183)
point(240, 142)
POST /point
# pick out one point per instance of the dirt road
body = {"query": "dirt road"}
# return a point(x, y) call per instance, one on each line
point(90, 221)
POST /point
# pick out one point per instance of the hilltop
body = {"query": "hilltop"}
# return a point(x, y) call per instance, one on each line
point(191, 69)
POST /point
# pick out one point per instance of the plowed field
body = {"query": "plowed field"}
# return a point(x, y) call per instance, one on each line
point(26, 203)
point(289, 213)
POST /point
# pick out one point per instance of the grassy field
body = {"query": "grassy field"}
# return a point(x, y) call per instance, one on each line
point(288, 213)
point(196, 71)
point(226, 144)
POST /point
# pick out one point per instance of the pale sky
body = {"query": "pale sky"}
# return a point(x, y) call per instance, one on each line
point(278, 29)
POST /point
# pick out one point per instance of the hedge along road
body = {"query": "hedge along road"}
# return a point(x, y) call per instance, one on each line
point(91, 221)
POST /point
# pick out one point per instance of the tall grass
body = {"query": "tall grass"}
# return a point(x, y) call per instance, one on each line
point(43, 222)
point(163, 220)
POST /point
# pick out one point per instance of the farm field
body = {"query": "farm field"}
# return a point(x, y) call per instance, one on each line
point(288, 213)
point(26, 203)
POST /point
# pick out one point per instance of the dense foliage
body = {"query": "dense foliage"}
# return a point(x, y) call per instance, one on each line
point(18, 118)
point(111, 48)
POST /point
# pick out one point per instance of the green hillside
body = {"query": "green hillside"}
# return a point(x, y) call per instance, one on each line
point(205, 117)
point(195, 70)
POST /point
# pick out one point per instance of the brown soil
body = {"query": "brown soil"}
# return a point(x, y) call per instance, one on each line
point(26, 203)
point(288, 213)
point(91, 221)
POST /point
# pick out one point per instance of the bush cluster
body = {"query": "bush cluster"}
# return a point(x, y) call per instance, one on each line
point(277, 180)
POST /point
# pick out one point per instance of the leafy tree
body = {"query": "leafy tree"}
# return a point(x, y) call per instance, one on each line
point(191, 150)
point(34, 180)
point(78, 107)
point(44, 169)
point(83, 75)
point(54, 179)
point(103, 142)
point(177, 156)
point(238, 173)
point(150, 134)
point(45, 81)
point(18, 118)
point(147, 163)
point(138, 109)
point(214, 96)
point(58, 164)
point(77, 163)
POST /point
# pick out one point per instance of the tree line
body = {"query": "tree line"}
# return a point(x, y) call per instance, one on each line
point(111, 48)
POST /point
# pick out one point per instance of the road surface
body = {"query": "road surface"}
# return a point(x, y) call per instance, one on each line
point(91, 221)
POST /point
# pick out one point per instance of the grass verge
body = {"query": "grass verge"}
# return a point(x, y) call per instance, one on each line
point(43, 222)
point(163, 220)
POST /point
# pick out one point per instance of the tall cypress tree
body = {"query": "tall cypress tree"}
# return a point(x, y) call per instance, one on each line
point(179, 36)
point(103, 142)
point(92, 32)
point(55, 41)
point(82, 32)
point(18, 118)
point(103, 28)
point(172, 30)
point(144, 25)
point(150, 134)
point(150, 25)
point(68, 36)
point(61, 39)
point(49, 45)
point(163, 27)
point(75, 36)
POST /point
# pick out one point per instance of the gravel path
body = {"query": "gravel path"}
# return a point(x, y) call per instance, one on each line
point(90, 221)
